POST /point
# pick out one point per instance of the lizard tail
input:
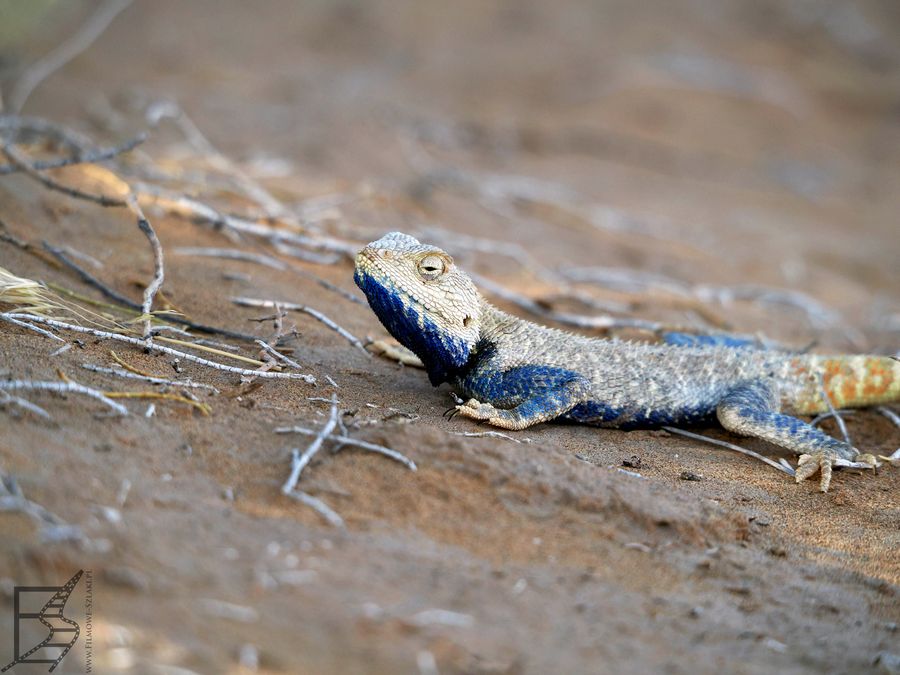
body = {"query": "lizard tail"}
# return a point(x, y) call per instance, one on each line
point(849, 381)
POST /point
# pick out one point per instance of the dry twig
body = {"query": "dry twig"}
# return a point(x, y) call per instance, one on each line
point(63, 388)
point(159, 348)
point(730, 446)
point(115, 296)
point(170, 109)
point(832, 411)
point(89, 157)
point(25, 324)
point(232, 254)
point(53, 528)
point(23, 403)
point(89, 278)
point(489, 434)
point(202, 407)
point(890, 414)
point(129, 201)
point(183, 206)
point(81, 40)
point(148, 378)
point(576, 320)
point(18, 159)
point(269, 349)
point(317, 505)
point(253, 302)
point(299, 461)
point(343, 439)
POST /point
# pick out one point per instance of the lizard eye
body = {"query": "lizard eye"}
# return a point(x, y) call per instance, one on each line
point(431, 267)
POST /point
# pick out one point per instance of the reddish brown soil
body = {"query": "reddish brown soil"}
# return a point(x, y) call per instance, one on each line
point(777, 164)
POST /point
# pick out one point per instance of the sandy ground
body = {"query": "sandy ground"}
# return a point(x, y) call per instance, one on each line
point(720, 143)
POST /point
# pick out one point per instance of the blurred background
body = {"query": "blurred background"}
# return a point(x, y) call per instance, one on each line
point(723, 164)
point(763, 134)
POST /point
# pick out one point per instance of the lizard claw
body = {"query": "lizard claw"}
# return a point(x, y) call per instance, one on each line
point(823, 460)
point(819, 461)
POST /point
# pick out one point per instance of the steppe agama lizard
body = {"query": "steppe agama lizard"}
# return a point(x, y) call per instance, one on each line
point(516, 373)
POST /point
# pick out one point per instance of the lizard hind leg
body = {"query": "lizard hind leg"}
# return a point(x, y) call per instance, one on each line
point(752, 409)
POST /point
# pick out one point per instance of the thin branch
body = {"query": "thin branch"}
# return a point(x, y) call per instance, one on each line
point(23, 403)
point(730, 446)
point(211, 350)
point(232, 254)
point(832, 411)
point(582, 321)
point(89, 31)
point(202, 407)
point(81, 255)
point(219, 345)
point(273, 207)
point(253, 302)
point(346, 440)
point(278, 355)
point(299, 461)
point(818, 419)
point(118, 372)
point(489, 434)
point(25, 324)
point(893, 459)
point(90, 157)
point(640, 281)
point(180, 205)
point(26, 127)
point(62, 388)
point(23, 164)
point(89, 278)
point(306, 255)
point(115, 296)
point(53, 528)
point(158, 269)
point(890, 414)
point(137, 342)
point(318, 506)
point(130, 202)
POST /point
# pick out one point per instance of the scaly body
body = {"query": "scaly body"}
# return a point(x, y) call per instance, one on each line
point(516, 373)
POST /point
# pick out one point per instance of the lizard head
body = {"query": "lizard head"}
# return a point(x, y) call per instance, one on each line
point(423, 299)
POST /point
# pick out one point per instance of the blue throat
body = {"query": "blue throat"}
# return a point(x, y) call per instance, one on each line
point(443, 355)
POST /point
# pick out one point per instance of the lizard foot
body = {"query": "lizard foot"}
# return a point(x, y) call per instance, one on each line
point(823, 460)
point(477, 410)
point(497, 417)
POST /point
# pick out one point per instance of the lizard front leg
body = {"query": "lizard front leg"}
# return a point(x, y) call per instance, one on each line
point(524, 396)
point(752, 410)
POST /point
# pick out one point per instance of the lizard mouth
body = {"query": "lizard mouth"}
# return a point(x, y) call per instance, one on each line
point(369, 260)
point(367, 255)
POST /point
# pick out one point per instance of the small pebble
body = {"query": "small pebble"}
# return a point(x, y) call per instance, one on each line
point(633, 462)
point(690, 475)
